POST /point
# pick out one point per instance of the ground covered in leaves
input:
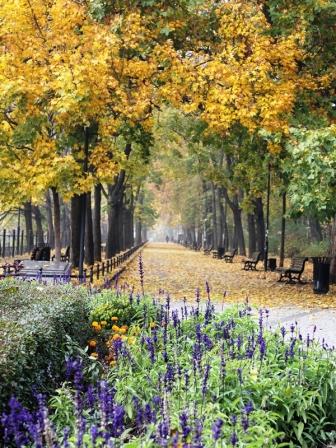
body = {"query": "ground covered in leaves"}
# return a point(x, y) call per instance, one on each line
point(170, 268)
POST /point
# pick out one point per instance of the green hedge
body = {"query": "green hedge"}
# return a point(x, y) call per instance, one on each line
point(36, 322)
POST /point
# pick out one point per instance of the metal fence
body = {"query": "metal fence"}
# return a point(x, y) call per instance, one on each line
point(14, 242)
point(107, 269)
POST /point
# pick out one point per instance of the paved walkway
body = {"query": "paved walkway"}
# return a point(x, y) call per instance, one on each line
point(169, 268)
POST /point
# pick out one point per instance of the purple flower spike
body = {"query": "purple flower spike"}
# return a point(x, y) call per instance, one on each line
point(234, 439)
point(184, 426)
point(217, 429)
point(205, 379)
point(141, 274)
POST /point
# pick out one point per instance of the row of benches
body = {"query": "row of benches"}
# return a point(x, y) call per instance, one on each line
point(292, 273)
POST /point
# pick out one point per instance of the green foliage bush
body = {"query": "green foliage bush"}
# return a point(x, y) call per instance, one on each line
point(36, 324)
point(110, 304)
point(267, 388)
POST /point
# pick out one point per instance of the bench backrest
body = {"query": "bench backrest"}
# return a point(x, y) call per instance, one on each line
point(298, 263)
point(256, 256)
point(231, 253)
point(35, 253)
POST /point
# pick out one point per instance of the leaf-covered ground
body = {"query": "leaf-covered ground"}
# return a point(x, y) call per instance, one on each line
point(178, 271)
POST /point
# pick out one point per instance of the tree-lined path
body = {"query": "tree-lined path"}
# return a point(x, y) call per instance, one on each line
point(170, 268)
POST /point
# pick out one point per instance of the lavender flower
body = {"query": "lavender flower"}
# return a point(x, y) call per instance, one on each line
point(150, 348)
point(205, 379)
point(184, 426)
point(217, 429)
point(198, 442)
point(234, 439)
point(141, 274)
point(248, 408)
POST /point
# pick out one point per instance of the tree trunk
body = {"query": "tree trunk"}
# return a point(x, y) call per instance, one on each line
point(112, 244)
point(239, 232)
point(57, 224)
point(251, 233)
point(96, 223)
point(138, 231)
point(214, 216)
point(51, 232)
point(114, 202)
point(221, 220)
point(332, 251)
point(283, 230)
point(89, 247)
point(226, 228)
point(260, 225)
point(131, 224)
point(239, 239)
point(315, 229)
point(27, 210)
point(39, 227)
point(75, 229)
point(65, 225)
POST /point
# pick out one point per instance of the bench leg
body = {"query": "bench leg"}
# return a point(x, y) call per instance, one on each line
point(291, 279)
point(281, 277)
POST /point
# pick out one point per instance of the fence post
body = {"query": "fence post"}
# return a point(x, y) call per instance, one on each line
point(103, 269)
point(98, 271)
point(91, 274)
point(4, 243)
point(13, 243)
point(21, 243)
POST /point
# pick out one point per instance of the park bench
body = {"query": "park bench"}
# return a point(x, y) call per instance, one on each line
point(294, 272)
point(218, 253)
point(251, 263)
point(34, 253)
point(40, 254)
point(228, 256)
point(65, 256)
point(207, 251)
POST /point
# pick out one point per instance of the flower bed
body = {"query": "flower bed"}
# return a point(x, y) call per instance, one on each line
point(187, 379)
point(36, 324)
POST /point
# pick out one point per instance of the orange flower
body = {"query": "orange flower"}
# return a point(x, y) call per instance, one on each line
point(92, 343)
point(94, 324)
point(116, 337)
point(103, 323)
point(122, 330)
point(98, 327)
point(114, 319)
point(115, 328)
point(94, 355)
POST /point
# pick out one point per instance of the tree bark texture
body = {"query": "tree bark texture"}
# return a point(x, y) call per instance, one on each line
point(97, 239)
point(89, 247)
point(39, 227)
point(51, 232)
point(57, 223)
point(260, 225)
point(283, 231)
point(251, 233)
point(75, 229)
point(27, 210)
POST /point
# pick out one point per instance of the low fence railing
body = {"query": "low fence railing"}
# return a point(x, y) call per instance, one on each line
point(95, 272)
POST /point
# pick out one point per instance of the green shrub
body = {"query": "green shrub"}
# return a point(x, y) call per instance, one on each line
point(128, 310)
point(36, 322)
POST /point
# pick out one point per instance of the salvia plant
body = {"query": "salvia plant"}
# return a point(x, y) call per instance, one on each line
point(191, 378)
